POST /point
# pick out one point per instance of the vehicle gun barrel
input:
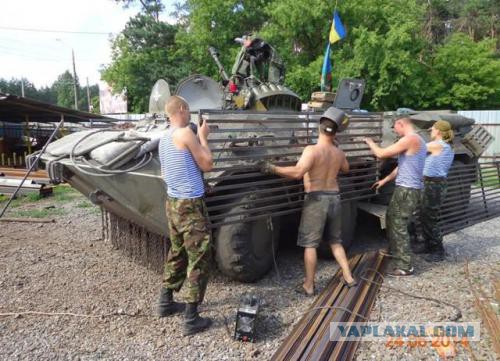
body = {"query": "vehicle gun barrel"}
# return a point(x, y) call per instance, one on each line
point(215, 55)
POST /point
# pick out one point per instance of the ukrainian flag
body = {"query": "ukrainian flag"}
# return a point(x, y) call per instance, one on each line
point(337, 31)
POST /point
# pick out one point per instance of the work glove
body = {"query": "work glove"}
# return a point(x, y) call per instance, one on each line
point(266, 167)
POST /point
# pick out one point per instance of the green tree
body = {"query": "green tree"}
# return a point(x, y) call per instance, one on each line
point(14, 87)
point(64, 89)
point(382, 46)
point(152, 8)
point(83, 101)
point(216, 23)
point(476, 18)
point(466, 74)
point(404, 49)
point(141, 54)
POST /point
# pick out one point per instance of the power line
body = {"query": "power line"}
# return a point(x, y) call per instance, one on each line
point(56, 31)
point(30, 53)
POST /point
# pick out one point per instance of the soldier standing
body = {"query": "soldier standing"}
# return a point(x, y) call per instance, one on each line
point(183, 157)
point(319, 166)
point(436, 168)
point(411, 152)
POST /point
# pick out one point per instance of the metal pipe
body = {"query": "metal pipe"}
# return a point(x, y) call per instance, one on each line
point(254, 201)
point(262, 216)
point(256, 210)
point(265, 190)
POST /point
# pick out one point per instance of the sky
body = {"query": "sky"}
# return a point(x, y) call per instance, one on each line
point(40, 56)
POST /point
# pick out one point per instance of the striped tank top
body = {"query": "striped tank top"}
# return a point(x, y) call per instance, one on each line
point(438, 165)
point(411, 167)
point(179, 170)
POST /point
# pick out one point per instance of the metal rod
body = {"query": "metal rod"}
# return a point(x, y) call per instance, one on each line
point(251, 211)
point(468, 216)
point(465, 213)
point(254, 201)
point(458, 200)
point(252, 184)
point(262, 216)
point(265, 190)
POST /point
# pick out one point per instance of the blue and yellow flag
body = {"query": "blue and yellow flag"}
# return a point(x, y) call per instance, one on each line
point(337, 32)
point(326, 70)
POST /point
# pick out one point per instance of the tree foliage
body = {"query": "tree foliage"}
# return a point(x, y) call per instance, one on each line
point(61, 92)
point(217, 23)
point(143, 53)
point(415, 53)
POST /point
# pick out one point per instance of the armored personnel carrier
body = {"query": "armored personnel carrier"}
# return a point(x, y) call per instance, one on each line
point(253, 116)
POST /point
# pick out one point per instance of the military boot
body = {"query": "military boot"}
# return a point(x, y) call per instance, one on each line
point(193, 323)
point(166, 304)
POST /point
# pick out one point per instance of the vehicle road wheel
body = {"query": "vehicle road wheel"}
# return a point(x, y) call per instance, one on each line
point(244, 250)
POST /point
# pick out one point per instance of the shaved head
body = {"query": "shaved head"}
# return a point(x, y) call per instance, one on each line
point(404, 120)
point(175, 104)
point(403, 126)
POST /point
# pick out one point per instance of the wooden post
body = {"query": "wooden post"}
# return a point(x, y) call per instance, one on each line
point(28, 133)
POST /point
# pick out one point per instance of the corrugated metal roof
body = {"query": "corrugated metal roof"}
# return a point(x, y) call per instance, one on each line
point(490, 119)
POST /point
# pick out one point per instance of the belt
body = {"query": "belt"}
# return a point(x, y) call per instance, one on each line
point(435, 179)
point(324, 193)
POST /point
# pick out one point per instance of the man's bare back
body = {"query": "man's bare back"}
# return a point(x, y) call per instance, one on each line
point(327, 161)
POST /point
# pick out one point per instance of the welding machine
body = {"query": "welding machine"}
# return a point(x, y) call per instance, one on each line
point(246, 318)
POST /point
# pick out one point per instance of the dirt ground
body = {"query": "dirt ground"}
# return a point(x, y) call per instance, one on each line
point(66, 267)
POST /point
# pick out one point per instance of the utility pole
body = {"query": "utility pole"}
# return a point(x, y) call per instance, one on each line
point(22, 87)
point(74, 79)
point(88, 96)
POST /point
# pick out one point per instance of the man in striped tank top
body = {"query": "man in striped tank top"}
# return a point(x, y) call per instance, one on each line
point(183, 157)
point(437, 164)
point(411, 152)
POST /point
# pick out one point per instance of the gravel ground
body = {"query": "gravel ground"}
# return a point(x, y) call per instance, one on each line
point(480, 245)
point(66, 267)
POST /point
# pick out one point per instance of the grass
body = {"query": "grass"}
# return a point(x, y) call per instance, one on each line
point(84, 204)
point(37, 213)
point(61, 194)
point(489, 181)
point(64, 193)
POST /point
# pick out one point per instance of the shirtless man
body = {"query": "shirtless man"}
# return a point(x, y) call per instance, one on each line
point(319, 166)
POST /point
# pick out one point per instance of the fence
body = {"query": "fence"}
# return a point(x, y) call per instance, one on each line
point(239, 192)
point(473, 195)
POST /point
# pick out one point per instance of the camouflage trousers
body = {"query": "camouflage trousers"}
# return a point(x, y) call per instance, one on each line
point(189, 256)
point(432, 199)
point(403, 204)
